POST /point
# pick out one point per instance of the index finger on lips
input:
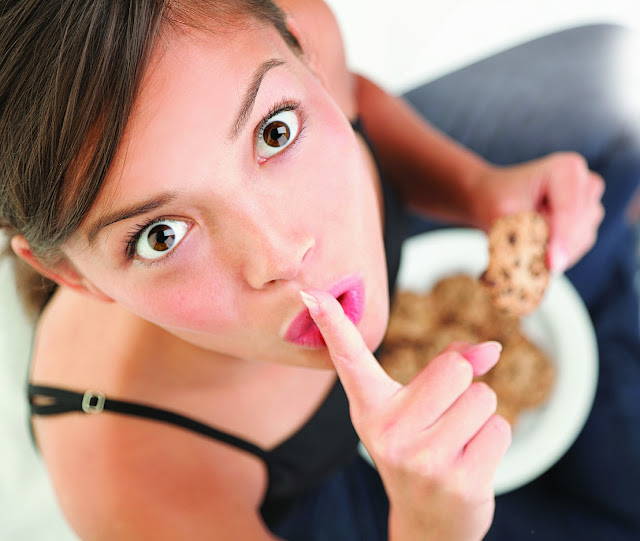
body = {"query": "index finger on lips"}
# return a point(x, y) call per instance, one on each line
point(362, 377)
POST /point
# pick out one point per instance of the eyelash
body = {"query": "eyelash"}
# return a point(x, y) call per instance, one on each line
point(284, 105)
point(134, 236)
point(136, 232)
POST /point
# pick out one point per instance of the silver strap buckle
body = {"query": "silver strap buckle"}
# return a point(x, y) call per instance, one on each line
point(93, 402)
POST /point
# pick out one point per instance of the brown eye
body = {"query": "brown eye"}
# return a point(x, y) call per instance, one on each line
point(277, 133)
point(160, 238)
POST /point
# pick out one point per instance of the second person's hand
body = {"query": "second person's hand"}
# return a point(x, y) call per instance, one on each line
point(561, 187)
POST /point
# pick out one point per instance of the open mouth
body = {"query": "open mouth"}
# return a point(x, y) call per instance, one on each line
point(349, 293)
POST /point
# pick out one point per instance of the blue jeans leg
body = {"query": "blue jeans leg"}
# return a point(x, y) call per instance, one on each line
point(557, 93)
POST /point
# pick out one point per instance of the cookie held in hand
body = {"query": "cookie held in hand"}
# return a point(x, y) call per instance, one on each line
point(517, 275)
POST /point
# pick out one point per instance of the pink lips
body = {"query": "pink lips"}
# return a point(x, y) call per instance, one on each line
point(350, 294)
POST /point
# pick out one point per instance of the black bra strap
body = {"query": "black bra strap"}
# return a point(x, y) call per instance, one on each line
point(356, 124)
point(59, 401)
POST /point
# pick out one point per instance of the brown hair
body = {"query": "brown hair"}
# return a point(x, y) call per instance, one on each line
point(69, 72)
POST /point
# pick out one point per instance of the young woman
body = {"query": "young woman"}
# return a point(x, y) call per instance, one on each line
point(195, 182)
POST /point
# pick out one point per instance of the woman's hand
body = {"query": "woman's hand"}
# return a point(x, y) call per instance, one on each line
point(559, 186)
point(436, 442)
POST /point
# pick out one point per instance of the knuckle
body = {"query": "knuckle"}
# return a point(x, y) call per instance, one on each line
point(340, 357)
point(459, 366)
point(459, 485)
point(500, 425)
point(485, 395)
point(391, 452)
point(450, 365)
point(598, 184)
point(425, 462)
point(574, 162)
point(431, 466)
point(504, 206)
point(349, 352)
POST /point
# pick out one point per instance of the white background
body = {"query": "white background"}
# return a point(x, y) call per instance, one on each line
point(399, 44)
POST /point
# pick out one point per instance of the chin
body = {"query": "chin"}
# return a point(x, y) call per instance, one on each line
point(320, 360)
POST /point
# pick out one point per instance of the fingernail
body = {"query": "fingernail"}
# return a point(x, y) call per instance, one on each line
point(559, 259)
point(482, 356)
point(483, 346)
point(311, 303)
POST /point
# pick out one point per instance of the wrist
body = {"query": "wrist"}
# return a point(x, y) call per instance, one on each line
point(408, 528)
point(403, 528)
point(474, 180)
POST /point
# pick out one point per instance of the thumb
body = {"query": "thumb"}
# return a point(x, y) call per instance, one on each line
point(563, 199)
point(365, 382)
point(559, 220)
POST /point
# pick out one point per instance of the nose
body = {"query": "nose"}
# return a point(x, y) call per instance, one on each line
point(275, 254)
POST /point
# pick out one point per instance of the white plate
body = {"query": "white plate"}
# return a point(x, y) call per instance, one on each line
point(560, 326)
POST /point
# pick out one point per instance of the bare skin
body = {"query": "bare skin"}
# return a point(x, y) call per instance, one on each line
point(207, 489)
point(153, 481)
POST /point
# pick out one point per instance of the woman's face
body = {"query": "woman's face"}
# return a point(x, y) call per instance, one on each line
point(239, 183)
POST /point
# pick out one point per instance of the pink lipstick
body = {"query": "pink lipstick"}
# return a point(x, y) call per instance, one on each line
point(350, 294)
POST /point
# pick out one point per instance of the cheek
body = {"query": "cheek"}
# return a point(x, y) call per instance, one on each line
point(194, 304)
point(337, 178)
point(352, 227)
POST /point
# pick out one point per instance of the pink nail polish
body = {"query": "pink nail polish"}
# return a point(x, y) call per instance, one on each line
point(559, 260)
point(311, 303)
point(483, 346)
point(482, 356)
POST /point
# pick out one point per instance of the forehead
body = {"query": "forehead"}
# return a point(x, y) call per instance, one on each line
point(186, 104)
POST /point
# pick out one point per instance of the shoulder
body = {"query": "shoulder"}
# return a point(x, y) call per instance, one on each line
point(122, 477)
point(119, 477)
point(78, 340)
point(317, 29)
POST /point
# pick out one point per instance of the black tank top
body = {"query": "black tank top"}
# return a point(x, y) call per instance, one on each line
point(324, 444)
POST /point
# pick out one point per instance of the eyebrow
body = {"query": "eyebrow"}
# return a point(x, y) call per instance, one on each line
point(250, 95)
point(150, 205)
point(136, 209)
